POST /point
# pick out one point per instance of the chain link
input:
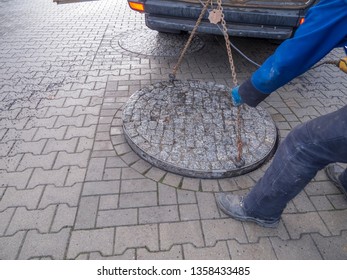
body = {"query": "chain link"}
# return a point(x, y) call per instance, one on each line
point(239, 160)
point(192, 34)
point(235, 82)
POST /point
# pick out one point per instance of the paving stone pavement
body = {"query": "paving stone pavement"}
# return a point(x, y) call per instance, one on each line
point(70, 186)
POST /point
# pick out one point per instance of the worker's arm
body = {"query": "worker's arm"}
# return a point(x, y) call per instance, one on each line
point(324, 29)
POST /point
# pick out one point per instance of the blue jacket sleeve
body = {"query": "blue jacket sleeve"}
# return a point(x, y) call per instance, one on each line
point(324, 29)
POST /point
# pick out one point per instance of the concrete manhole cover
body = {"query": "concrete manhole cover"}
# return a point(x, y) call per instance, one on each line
point(189, 128)
point(153, 43)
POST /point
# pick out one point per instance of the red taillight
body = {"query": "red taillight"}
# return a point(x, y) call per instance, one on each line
point(137, 6)
point(302, 20)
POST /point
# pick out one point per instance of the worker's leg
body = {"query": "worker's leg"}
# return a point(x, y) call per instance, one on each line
point(306, 150)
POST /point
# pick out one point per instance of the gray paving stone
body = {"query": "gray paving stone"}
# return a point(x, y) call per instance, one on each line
point(155, 174)
point(141, 166)
point(300, 249)
point(207, 205)
point(129, 173)
point(321, 203)
point(180, 233)
point(61, 195)
point(167, 195)
point(10, 245)
point(255, 232)
point(100, 188)
point(108, 202)
point(65, 217)
point(175, 253)
point(302, 203)
point(87, 212)
point(128, 255)
point(10, 163)
point(298, 224)
point(112, 174)
point(191, 184)
point(336, 221)
point(189, 212)
point(47, 133)
point(73, 131)
point(28, 147)
point(332, 248)
point(130, 200)
point(25, 198)
point(218, 252)
point(50, 245)
point(172, 179)
point(339, 201)
point(5, 218)
point(84, 143)
point(75, 175)
point(102, 146)
point(210, 185)
point(67, 121)
point(24, 219)
point(95, 169)
point(115, 162)
point(222, 229)
point(136, 237)
point(120, 217)
point(185, 197)
point(96, 240)
point(54, 145)
point(15, 179)
point(158, 214)
point(66, 159)
point(138, 185)
point(253, 251)
point(48, 177)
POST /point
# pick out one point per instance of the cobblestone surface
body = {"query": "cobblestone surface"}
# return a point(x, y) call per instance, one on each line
point(190, 128)
point(72, 188)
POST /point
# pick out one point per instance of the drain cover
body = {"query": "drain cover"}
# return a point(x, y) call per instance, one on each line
point(153, 43)
point(189, 128)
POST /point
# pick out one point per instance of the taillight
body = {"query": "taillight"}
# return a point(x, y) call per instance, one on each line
point(136, 6)
point(302, 20)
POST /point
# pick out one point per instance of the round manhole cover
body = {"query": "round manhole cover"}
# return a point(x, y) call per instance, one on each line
point(189, 128)
point(153, 43)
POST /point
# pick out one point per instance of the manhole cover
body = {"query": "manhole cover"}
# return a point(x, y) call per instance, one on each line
point(189, 128)
point(149, 42)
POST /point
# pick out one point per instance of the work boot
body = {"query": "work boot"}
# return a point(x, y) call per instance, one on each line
point(232, 205)
point(333, 172)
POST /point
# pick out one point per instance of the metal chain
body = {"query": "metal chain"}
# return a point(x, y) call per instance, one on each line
point(192, 34)
point(235, 82)
point(239, 160)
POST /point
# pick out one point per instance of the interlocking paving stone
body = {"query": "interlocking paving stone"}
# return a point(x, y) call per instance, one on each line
point(218, 252)
point(222, 229)
point(141, 185)
point(100, 188)
point(136, 237)
point(5, 218)
point(336, 221)
point(180, 233)
point(128, 200)
point(175, 253)
point(158, 214)
point(255, 232)
point(46, 177)
point(61, 195)
point(10, 245)
point(166, 195)
point(189, 212)
point(254, 251)
point(50, 245)
point(119, 217)
point(207, 205)
point(25, 198)
point(95, 240)
point(298, 224)
point(64, 217)
point(87, 212)
point(303, 249)
point(332, 248)
point(24, 219)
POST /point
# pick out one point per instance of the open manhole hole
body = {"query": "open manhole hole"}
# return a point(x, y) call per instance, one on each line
point(189, 128)
point(153, 43)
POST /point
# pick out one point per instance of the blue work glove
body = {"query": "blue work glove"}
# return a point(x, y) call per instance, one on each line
point(235, 97)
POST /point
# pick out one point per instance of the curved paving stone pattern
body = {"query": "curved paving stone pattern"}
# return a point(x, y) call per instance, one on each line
point(153, 43)
point(189, 128)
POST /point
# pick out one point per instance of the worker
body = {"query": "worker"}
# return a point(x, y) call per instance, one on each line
point(309, 147)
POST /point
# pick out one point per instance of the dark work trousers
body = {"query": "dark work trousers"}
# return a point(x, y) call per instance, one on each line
point(307, 149)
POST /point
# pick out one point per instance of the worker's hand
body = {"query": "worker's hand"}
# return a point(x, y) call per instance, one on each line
point(235, 97)
point(343, 64)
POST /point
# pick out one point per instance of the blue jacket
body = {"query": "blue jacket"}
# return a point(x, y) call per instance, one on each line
point(324, 29)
